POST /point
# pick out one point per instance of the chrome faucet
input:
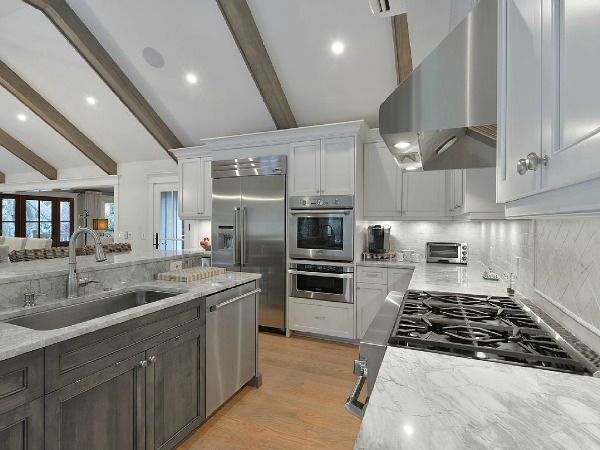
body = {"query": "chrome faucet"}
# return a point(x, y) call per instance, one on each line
point(73, 278)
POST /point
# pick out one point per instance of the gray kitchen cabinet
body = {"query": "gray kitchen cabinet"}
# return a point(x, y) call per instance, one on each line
point(104, 410)
point(175, 399)
point(23, 427)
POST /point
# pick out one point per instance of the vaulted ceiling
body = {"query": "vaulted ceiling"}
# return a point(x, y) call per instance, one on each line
point(157, 44)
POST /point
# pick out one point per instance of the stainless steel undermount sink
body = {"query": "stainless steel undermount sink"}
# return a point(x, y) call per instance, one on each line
point(82, 312)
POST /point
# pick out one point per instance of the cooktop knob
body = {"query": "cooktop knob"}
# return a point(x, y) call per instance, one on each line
point(303, 202)
point(320, 202)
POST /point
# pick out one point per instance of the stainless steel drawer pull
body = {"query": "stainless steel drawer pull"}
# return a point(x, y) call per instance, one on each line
point(319, 274)
point(233, 300)
point(152, 359)
point(143, 363)
point(353, 406)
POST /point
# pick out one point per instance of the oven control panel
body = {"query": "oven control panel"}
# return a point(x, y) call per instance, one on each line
point(324, 201)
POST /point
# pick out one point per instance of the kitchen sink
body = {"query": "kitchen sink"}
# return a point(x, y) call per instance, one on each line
point(82, 312)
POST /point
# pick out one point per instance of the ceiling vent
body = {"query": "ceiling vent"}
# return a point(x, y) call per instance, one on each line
point(387, 8)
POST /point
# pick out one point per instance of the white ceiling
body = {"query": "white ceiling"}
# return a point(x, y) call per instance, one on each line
point(192, 37)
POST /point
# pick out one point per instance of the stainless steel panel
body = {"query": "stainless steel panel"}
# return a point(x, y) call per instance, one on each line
point(264, 209)
point(230, 344)
point(82, 312)
point(348, 287)
point(323, 201)
point(243, 167)
point(452, 89)
point(226, 198)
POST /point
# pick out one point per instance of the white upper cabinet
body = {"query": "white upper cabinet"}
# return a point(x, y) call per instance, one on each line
point(519, 93)
point(195, 188)
point(547, 105)
point(423, 194)
point(305, 168)
point(322, 167)
point(472, 194)
point(382, 182)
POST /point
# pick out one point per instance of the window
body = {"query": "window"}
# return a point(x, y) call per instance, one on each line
point(109, 213)
point(37, 217)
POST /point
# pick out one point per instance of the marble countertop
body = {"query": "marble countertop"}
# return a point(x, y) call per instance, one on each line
point(15, 340)
point(30, 270)
point(424, 400)
point(388, 264)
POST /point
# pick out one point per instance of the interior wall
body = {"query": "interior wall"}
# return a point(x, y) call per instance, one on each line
point(133, 201)
point(194, 231)
point(558, 266)
point(415, 234)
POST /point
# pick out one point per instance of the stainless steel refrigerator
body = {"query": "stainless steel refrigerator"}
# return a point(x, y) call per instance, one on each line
point(248, 227)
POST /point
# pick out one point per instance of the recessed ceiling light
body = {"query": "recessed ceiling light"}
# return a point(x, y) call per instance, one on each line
point(191, 78)
point(411, 168)
point(402, 144)
point(91, 100)
point(337, 47)
point(22, 117)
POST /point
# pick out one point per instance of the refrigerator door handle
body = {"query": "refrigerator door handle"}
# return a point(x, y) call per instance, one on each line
point(243, 250)
point(236, 236)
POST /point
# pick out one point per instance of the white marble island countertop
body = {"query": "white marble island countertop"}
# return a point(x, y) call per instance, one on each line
point(16, 340)
point(424, 400)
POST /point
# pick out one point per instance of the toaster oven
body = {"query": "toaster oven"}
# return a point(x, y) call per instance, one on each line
point(447, 252)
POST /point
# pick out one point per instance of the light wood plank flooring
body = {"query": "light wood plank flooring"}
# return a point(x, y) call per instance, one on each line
point(299, 406)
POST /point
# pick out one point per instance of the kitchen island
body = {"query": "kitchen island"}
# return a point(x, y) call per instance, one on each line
point(428, 400)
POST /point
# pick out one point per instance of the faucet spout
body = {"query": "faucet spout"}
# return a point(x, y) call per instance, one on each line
point(73, 278)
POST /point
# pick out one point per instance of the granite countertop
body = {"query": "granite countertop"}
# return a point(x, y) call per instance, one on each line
point(15, 340)
point(388, 264)
point(31, 270)
point(425, 400)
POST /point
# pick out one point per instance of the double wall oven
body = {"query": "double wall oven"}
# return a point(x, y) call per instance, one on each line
point(321, 236)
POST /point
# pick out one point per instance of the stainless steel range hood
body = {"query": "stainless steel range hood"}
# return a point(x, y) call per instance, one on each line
point(446, 108)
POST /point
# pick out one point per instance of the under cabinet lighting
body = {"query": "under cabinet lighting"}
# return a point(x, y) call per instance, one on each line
point(22, 117)
point(337, 47)
point(411, 168)
point(402, 145)
point(191, 78)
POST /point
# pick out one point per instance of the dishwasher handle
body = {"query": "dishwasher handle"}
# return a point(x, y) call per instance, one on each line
point(233, 300)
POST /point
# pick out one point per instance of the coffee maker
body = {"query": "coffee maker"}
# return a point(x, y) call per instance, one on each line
point(379, 238)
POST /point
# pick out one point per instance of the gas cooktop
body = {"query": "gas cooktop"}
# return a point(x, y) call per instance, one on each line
point(484, 327)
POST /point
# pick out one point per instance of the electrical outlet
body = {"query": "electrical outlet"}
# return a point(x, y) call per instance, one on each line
point(176, 265)
point(143, 235)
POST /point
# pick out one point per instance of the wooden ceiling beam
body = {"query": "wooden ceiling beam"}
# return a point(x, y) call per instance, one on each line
point(27, 156)
point(49, 114)
point(81, 38)
point(243, 28)
point(402, 47)
point(2, 177)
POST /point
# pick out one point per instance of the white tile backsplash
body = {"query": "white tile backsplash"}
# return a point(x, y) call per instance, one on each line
point(558, 266)
point(415, 234)
point(194, 231)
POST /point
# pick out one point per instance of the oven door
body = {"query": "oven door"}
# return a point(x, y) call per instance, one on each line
point(322, 235)
point(331, 287)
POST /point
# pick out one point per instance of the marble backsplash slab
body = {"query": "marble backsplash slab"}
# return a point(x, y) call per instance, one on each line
point(51, 288)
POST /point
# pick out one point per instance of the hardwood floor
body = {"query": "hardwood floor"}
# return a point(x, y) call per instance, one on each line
point(299, 406)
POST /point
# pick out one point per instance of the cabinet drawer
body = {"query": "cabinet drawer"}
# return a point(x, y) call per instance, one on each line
point(21, 379)
point(69, 361)
point(373, 275)
point(319, 317)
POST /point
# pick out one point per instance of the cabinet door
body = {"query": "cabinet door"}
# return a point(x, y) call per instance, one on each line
point(174, 389)
point(383, 183)
point(572, 136)
point(190, 171)
point(458, 190)
point(423, 194)
point(104, 410)
point(399, 279)
point(206, 186)
point(519, 95)
point(337, 166)
point(305, 168)
point(369, 298)
point(23, 427)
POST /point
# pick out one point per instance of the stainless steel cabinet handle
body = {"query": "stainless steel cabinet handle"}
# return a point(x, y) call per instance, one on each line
point(353, 406)
point(320, 317)
point(532, 162)
point(143, 363)
point(152, 359)
point(236, 236)
point(243, 252)
point(233, 300)
point(321, 213)
point(318, 274)
point(404, 211)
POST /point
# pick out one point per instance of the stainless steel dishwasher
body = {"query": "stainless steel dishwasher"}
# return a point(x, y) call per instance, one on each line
point(231, 343)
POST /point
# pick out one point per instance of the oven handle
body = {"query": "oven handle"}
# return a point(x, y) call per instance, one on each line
point(310, 213)
point(353, 405)
point(319, 274)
